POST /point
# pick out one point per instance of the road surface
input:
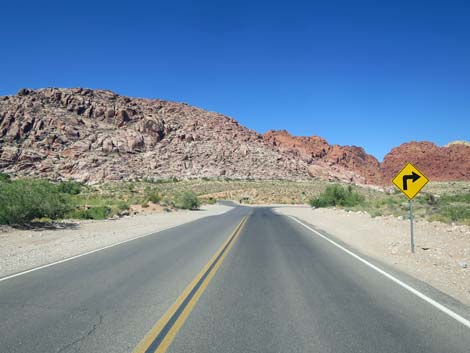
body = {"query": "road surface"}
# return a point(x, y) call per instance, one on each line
point(245, 281)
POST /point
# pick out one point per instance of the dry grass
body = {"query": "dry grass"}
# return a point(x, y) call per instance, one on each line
point(246, 191)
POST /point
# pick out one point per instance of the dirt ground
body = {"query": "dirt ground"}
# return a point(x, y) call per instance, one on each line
point(24, 249)
point(442, 252)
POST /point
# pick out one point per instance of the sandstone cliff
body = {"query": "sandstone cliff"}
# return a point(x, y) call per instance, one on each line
point(95, 135)
point(451, 162)
point(352, 161)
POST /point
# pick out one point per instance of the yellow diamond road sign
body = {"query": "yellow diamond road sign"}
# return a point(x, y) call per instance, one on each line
point(410, 180)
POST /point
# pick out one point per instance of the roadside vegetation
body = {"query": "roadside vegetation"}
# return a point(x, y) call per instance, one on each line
point(337, 195)
point(444, 202)
point(22, 201)
point(31, 200)
point(27, 201)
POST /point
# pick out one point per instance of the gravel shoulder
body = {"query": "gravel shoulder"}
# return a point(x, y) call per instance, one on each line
point(24, 249)
point(442, 252)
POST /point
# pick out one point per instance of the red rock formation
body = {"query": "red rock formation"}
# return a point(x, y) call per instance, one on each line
point(437, 163)
point(451, 162)
point(94, 135)
point(352, 161)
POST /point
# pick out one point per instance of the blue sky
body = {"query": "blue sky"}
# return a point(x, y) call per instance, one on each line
point(368, 73)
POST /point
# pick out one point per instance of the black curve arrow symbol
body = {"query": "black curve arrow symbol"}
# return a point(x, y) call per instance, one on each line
point(413, 176)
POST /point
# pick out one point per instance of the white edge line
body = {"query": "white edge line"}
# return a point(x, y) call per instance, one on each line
point(431, 301)
point(77, 256)
point(88, 252)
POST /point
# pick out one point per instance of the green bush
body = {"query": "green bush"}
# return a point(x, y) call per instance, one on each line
point(337, 195)
point(167, 201)
point(187, 200)
point(21, 201)
point(318, 202)
point(456, 213)
point(122, 206)
point(376, 213)
point(131, 187)
point(70, 187)
point(211, 201)
point(464, 197)
point(154, 197)
point(4, 177)
point(97, 213)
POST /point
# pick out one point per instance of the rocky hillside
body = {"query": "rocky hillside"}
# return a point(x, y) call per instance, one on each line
point(315, 151)
point(451, 162)
point(94, 135)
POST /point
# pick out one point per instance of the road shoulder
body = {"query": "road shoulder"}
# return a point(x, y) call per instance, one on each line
point(21, 250)
point(440, 250)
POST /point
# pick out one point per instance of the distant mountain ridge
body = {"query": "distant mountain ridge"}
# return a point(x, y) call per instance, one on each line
point(96, 135)
point(316, 152)
point(451, 162)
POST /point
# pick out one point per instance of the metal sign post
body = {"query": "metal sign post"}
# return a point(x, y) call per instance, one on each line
point(411, 228)
point(410, 181)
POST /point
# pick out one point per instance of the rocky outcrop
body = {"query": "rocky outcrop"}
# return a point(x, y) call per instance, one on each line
point(349, 163)
point(451, 162)
point(95, 135)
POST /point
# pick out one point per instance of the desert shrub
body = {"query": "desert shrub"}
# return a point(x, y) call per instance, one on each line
point(122, 206)
point(97, 213)
point(70, 187)
point(431, 200)
point(337, 195)
point(4, 177)
point(391, 202)
point(464, 197)
point(318, 202)
point(375, 213)
point(153, 196)
point(21, 201)
point(210, 201)
point(167, 201)
point(456, 213)
point(186, 200)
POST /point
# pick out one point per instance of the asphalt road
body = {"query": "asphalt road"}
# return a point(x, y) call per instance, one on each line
point(271, 286)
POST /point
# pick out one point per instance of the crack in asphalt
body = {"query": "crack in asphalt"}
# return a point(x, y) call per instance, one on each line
point(81, 339)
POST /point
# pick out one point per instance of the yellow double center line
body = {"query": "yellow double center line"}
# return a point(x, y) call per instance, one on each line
point(159, 338)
